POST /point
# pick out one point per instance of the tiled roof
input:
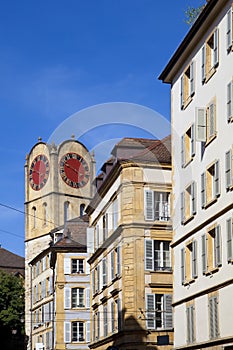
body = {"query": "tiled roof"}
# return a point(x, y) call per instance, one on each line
point(11, 262)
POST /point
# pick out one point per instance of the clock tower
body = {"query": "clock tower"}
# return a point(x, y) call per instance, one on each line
point(58, 187)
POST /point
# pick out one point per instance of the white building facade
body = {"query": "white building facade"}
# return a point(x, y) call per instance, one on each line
point(201, 74)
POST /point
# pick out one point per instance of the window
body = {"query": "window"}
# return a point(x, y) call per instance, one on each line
point(77, 266)
point(189, 263)
point(157, 205)
point(187, 146)
point(213, 317)
point(157, 255)
point(188, 203)
point(229, 34)
point(66, 211)
point(187, 86)
point(228, 170)
point(118, 258)
point(34, 217)
point(210, 185)
point(190, 324)
point(105, 321)
point(229, 102)
point(105, 226)
point(211, 250)
point(104, 272)
point(210, 56)
point(206, 123)
point(159, 311)
point(82, 207)
point(229, 240)
point(77, 297)
point(77, 331)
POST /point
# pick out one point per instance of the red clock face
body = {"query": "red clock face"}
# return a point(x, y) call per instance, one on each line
point(39, 172)
point(74, 170)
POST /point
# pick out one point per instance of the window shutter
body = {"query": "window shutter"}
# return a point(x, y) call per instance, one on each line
point(112, 265)
point(194, 259)
point(203, 190)
point(228, 169)
point(87, 297)
point(112, 317)
point(183, 277)
point(203, 255)
point(211, 126)
point(229, 240)
point(87, 267)
point(193, 140)
point(181, 92)
point(93, 282)
point(149, 254)
point(67, 332)
point(67, 298)
point(190, 324)
point(97, 236)
point(98, 278)
point(215, 47)
point(104, 272)
point(67, 267)
point(203, 63)
point(118, 261)
point(229, 101)
point(119, 314)
point(182, 151)
point(213, 312)
point(88, 331)
point(193, 196)
point(150, 311)
point(168, 311)
point(182, 207)
point(200, 124)
point(115, 214)
point(229, 29)
point(216, 179)
point(217, 246)
point(192, 79)
point(149, 205)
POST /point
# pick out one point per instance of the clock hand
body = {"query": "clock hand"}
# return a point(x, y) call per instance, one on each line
point(69, 166)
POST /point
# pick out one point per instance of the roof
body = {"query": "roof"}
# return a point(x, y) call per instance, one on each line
point(11, 262)
point(197, 30)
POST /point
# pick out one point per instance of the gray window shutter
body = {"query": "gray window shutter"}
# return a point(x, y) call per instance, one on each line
point(229, 240)
point(216, 179)
point(67, 298)
point(183, 277)
point(213, 317)
point(182, 92)
point(182, 151)
point(104, 272)
point(190, 324)
point(88, 331)
point(149, 205)
point(118, 260)
point(97, 234)
point(193, 196)
point(149, 255)
point(200, 124)
point(192, 79)
point(203, 63)
point(228, 169)
point(194, 259)
point(67, 266)
point(87, 297)
point(203, 254)
point(67, 332)
point(216, 47)
point(217, 246)
point(182, 207)
point(168, 311)
point(203, 190)
point(229, 101)
point(93, 282)
point(212, 129)
point(150, 311)
point(98, 278)
point(193, 140)
point(112, 265)
point(229, 29)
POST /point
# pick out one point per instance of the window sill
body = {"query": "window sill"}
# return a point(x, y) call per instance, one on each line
point(187, 102)
point(209, 203)
point(209, 140)
point(210, 73)
point(230, 119)
point(230, 188)
point(188, 282)
point(187, 220)
point(211, 271)
point(187, 162)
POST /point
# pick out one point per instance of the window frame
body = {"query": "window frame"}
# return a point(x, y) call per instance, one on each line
point(210, 184)
point(210, 56)
point(211, 250)
point(153, 314)
point(188, 207)
point(150, 255)
point(187, 85)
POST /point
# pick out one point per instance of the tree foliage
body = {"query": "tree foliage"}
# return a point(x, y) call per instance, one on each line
point(192, 13)
point(11, 302)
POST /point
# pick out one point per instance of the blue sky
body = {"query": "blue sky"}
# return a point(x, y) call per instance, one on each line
point(59, 57)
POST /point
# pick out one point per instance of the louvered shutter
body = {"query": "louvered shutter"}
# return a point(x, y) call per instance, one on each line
point(112, 265)
point(87, 297)
point(213, 317)
point(229, 30)
point(229, 240)
point(46, 312)
point(192, 79)
point(193, 140)
point(193, 196)
point(149, 255)
point(182, 151)
point(190, 324)
point(67, 298)
point(217, 246)
point(98, 278)
point(88, 331)
point(229, 101)
point(118, 260)
point(203, 190)
point(181, 92)
point(149, 205)
point(228, 169)
point(168, 311)
point(67, 266)
point(200, 124)
point(97, 236)
point(203, 254)
point(150, 311)
point(194, 259)
point(93, 282)
point(182, 266)
point(203, 63)
point(67, 332)
point(215, 48)
point(216, 179)
point(182, 207)
point(104, 272)
point(211, 126)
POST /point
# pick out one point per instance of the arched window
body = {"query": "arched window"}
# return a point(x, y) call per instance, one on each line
point(45, 213)
point(34, 217)
point(66, 211)
point(82, 207)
